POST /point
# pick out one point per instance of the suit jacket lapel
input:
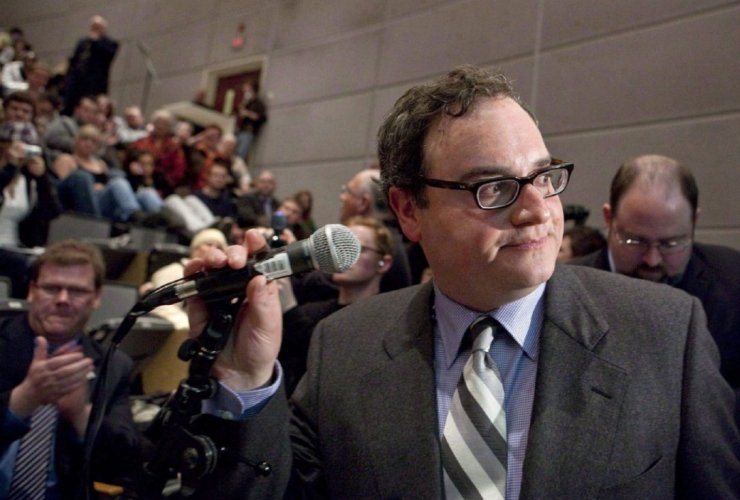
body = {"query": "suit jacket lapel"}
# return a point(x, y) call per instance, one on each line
point(577, 401)
point(400, 408)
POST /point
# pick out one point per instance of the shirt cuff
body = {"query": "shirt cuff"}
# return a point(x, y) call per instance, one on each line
point(241, 405)
point(12, 425)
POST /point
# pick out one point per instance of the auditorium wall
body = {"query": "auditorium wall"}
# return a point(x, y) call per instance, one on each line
point(608, 80)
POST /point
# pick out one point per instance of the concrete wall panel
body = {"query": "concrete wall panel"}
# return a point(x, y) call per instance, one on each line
point(317, 131)
point(572, 20)
point(331, 69)
point(311, 20)
point(469, 32)
point(678, 70)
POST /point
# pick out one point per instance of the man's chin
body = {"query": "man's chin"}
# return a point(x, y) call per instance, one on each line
point(654, 276)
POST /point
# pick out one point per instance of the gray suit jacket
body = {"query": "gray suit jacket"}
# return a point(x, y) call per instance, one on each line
point(629, 404)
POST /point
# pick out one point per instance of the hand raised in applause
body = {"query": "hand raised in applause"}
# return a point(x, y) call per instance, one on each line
point(50, 379)
point(248, 361)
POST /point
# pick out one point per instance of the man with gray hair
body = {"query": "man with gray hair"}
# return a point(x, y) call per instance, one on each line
point(363, 196)
point(651, 217)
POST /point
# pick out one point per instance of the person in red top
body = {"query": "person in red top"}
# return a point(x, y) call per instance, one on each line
point(169, 157)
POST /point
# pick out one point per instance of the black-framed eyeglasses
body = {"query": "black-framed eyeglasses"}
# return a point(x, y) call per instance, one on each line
point(500, 192)
point(665, 247)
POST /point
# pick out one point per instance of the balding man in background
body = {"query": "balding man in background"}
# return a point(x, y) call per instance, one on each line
point(362, 196)
point(651, 217)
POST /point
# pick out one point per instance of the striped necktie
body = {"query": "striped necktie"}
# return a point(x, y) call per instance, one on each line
point(474, 438)
point(34, 452)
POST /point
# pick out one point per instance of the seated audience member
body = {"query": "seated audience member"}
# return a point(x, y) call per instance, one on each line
point(292, 212)
point(239, 170)
point(47, 109)
point(206, 207)
point(106, 119)
point(132, 127)
point(18, 109)
point(651, 218)
point(356, 283)
point(260, 203)
point(108, 125)
point(27, 203)
point(304, 198)
point(183, 131)
point(214, 193)
point(169, 157)
point(200, 245)
point(142, 175)
point(363, 196)
point(61, 133)
point(28, 200)
point(88, 186)
point(594, 385)
point(579, 241)
point(48, 376)
point(28, 75)
point(203, 152)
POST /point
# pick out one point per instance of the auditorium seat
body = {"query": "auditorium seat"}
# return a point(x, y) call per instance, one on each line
point(145, 337)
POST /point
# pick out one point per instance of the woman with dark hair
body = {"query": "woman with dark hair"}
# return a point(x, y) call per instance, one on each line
point(141, 174)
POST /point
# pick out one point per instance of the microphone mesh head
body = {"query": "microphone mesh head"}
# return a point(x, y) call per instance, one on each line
point(335, 248)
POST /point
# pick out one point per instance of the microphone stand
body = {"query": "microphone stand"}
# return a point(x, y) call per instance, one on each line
point(178, 450)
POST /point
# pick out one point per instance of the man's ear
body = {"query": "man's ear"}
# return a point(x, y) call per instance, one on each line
point(607, 210)
point(403, 205)
point(696, 216)
point(363, 204)
point(98, 296)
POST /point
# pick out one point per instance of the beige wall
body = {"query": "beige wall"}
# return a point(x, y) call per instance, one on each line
point(608, 80)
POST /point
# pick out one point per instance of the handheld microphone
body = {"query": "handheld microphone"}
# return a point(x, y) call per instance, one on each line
point(332, 249)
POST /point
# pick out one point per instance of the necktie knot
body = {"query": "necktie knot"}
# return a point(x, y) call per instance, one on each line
point(483, 331)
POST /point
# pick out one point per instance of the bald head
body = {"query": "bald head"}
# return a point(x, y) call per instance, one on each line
point(363, 196)
point(656, 174)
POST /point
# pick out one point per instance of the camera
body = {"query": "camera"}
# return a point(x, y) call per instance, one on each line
point(278, 222)
point(31, 151)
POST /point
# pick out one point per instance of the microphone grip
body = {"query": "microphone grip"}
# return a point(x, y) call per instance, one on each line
point(218, 285)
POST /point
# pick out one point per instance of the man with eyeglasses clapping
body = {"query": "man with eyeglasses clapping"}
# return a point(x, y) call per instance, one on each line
point(47, 376)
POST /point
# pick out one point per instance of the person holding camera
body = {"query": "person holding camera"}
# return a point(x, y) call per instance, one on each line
point(27, 203)
point(28, 200)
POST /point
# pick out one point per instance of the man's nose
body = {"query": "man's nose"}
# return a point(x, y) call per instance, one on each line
point(530, 207)
point(652, 257)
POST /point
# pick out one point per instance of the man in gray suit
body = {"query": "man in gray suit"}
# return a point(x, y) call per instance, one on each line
point(612, 388)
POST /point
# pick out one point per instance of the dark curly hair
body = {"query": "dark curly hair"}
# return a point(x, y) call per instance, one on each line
point(401, 137)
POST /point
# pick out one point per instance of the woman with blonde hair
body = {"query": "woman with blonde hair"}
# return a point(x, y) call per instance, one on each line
point(88, 186)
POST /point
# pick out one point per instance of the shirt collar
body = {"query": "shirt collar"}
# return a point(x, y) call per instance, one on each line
point(522, 318)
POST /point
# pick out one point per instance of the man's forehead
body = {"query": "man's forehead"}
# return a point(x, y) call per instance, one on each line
point(496, 134)
point(67, 273)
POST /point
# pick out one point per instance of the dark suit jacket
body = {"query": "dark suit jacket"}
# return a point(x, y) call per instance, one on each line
point(712, 275)
point(116, 458)
point(629, 403)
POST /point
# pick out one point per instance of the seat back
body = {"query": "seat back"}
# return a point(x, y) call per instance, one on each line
point(77, 227)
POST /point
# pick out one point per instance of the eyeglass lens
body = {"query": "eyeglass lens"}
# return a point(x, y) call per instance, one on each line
point(498, 193)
